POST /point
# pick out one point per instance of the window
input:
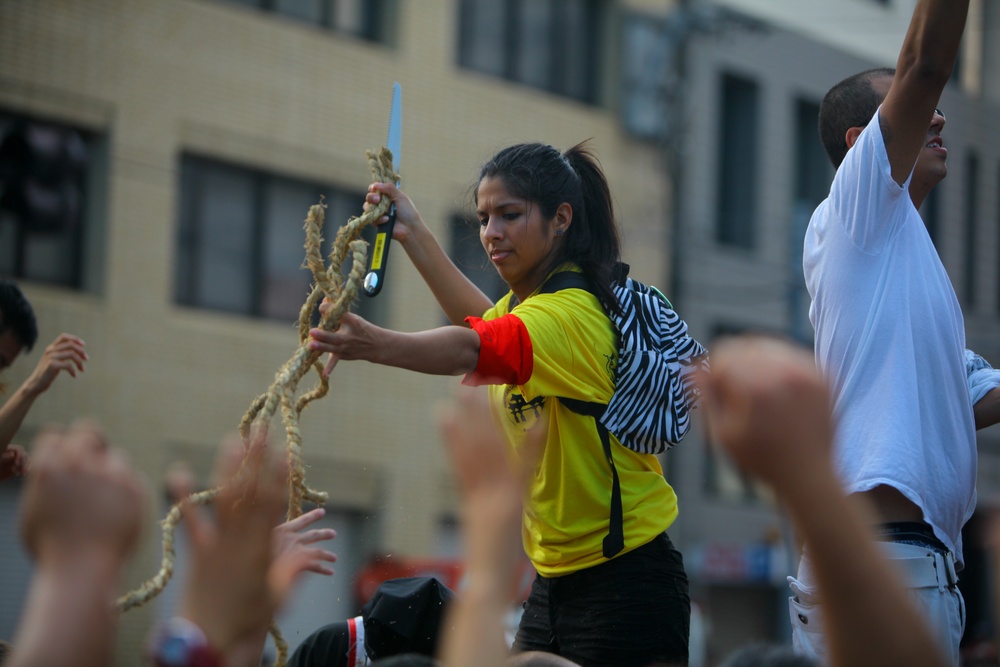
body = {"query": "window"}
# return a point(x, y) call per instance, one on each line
point(51, 199)
point(240, 239)
point(971, 236)
point(360, 18)
point(554, 45)
point(468, 254)
point(737, 196)
point(813, 174)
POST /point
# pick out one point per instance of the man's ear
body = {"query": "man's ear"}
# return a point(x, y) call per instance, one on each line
point(563, 218)
point(852, 136)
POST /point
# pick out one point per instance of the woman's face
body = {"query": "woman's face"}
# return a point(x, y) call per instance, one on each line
point(517, 239)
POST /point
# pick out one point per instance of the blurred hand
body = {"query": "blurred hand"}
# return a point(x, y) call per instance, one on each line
point(768, 408)
point(493, 485)
point(13, 462)
point(65, 353)
point(82, 498)
point(229, 593)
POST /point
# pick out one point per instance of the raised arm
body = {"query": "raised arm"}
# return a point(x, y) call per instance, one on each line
point(65, 353)
point(492, 489)
point(924, 67)
point(81, 516)
point(456, 294)
point(768, 408)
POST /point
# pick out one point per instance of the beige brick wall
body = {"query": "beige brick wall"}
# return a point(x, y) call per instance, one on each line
point(163, 77)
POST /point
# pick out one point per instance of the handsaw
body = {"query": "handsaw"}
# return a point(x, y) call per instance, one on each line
point(375, 278)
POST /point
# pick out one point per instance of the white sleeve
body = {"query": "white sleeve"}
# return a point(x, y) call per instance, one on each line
point(982, 377)
point(864, 197)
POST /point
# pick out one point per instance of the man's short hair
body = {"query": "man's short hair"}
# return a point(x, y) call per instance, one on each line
point(851, 103)
point(17, 315)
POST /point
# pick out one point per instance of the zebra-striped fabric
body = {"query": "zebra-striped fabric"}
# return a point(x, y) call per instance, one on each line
point(654, 385)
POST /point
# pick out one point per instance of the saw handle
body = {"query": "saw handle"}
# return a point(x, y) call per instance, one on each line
point(375, 277)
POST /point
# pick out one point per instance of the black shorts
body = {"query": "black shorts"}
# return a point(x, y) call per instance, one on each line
point(632, 611)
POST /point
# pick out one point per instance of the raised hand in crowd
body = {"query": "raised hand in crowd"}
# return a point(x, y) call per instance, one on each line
point(768, 408)
point(81, 516)
point(65, 354)
point(242, 566)
point(492, 486)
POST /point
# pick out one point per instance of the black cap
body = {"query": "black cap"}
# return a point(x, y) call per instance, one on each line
point(405, 616)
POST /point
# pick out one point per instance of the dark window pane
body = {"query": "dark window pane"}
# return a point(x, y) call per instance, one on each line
point(285, 283)
point(737, 195)
point(971, 231)
point(305, 10)
point(51, 196)
point(554, 45)
point(483, 25)
point(813, 174)
point(577, 32)
point(241, 241)
point(360, 18)
point(223, 209)
point(533, 57)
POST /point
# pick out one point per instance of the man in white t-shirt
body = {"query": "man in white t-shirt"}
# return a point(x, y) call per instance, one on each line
point(890, 335)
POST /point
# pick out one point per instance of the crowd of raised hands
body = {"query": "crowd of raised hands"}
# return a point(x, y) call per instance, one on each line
point(81, 516)
point(83, 507)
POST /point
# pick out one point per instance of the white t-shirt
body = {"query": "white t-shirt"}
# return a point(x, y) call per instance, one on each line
point(891, 339)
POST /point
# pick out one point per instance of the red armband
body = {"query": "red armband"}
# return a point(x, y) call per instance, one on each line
point(505, 354)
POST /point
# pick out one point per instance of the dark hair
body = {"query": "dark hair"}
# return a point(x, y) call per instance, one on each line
point(851, 103)
point(17, 315)
point(542, 175)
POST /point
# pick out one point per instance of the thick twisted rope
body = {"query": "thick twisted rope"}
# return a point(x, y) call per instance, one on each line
point(341, 292)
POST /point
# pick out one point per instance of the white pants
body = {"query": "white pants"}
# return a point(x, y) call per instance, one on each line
point(931, 579)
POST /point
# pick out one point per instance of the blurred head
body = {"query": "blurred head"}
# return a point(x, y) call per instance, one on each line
point(539, 208)
point(18, 327)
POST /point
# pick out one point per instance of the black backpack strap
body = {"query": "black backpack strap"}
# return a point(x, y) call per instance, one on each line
point(558, 281)
point(614, 541)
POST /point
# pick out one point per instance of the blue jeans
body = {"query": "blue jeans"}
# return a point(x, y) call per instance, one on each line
point(633, 611)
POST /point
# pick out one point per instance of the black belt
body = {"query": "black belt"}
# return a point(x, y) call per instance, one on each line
point(911, 532)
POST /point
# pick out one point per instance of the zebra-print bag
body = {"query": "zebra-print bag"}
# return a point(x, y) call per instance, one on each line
point(649, 411)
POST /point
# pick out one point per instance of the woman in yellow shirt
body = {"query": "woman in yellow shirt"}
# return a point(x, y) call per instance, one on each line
point(608, 592)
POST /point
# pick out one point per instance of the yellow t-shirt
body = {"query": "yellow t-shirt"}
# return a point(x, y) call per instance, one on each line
point(567, 516)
